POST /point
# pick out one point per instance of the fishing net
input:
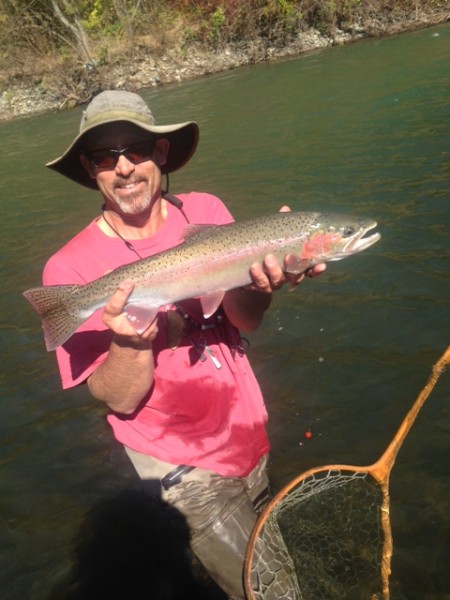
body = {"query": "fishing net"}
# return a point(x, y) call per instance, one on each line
point(295, 553)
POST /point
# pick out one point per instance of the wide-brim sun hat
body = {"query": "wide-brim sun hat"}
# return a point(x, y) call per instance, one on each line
point(115, 106)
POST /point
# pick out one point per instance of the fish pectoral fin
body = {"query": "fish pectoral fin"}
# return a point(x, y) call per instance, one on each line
point(296, 264)
point(292, 286)
point(140, 316)
point(211, 303)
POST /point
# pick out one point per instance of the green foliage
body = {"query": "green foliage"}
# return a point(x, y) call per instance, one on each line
point(102, 55)
point(99, 17)
point(279, 17)
point(30, 29)
point(94, 17)
point(217, 22)
point(326, 16)
point(280, 8)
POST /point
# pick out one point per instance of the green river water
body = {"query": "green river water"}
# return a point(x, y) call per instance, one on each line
point(361, 129)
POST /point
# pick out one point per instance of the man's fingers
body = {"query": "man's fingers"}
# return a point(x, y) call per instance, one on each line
point(316, 270)
point(274, 272)
point(270, 276)
point(117, 320)
point(260, 279)
point(118, 300)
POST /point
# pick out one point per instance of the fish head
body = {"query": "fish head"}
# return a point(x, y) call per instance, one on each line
point(335, 236)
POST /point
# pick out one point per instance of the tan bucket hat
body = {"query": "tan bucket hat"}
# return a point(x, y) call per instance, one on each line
point(119, 105)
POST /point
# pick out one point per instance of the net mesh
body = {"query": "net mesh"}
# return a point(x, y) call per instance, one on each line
point(334, 558)
point(327, 534)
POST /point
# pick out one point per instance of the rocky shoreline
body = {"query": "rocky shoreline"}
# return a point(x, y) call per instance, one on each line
point(29, 97)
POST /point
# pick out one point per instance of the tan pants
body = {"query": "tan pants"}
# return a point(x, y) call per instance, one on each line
point(220, 511)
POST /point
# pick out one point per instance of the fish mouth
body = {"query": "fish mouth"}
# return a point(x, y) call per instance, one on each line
point(360, 241)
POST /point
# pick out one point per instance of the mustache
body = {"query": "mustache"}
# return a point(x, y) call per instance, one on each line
point(123, 181)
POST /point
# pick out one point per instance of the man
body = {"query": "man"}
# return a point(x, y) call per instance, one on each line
point(183, 399)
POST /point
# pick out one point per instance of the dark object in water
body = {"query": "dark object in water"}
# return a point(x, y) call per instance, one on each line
point(132, 547)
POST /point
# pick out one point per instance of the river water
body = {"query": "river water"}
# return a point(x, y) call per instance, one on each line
point(360, 129)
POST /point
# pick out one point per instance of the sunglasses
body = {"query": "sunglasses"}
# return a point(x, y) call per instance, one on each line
point(104, 160)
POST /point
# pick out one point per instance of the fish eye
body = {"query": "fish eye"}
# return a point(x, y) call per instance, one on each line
point(347, 231)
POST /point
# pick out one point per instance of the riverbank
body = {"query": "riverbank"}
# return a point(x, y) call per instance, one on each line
point(28, 96)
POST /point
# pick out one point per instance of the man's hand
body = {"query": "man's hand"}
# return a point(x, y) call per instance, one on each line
point(116, 320)
point(126, 375)
point(270, 276)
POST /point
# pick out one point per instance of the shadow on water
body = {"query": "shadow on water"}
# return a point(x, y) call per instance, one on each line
point(131, 547)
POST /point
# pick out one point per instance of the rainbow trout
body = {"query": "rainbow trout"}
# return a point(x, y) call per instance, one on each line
point(210, 261)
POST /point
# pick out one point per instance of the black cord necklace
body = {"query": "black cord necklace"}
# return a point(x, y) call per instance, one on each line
point(169, 197)
point(128, 244)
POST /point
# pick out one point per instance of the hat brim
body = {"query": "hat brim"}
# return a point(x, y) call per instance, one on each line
point(183, 140)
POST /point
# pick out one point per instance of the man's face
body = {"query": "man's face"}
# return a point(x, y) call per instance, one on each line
point(127, 187)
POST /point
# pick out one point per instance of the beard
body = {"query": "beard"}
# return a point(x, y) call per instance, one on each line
point(134, 201)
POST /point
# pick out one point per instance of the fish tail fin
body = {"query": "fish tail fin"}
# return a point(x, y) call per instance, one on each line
point(58, 312)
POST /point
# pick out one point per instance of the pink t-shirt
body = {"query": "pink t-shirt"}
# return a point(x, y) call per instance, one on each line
point(195, 413)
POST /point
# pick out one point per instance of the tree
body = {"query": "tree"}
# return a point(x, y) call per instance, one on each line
point(67, 13)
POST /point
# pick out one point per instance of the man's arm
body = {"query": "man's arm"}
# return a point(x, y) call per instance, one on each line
point(126, 375)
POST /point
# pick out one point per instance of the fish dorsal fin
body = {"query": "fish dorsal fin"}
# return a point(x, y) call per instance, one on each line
point(211, 303)
point(140, 316)
point(192, 230)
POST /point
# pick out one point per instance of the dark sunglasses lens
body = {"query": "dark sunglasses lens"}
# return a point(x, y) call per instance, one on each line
point(136, 153)
point(140, 152)
point(103, 159)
